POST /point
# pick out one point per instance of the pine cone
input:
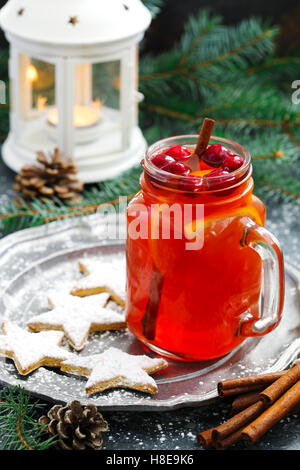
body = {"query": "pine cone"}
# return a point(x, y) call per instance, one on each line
point(77, 427)
point(54, 176)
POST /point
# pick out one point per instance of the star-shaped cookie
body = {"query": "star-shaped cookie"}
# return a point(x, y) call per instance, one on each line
point(102, 277)
point(114, 368)
point(78, 317)
point(63, 299)
point(31, 350)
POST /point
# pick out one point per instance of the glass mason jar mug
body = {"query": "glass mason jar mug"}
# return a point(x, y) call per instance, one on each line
point(203, 273)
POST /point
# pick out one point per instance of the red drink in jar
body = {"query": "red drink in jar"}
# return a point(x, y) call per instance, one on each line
point(196, 246)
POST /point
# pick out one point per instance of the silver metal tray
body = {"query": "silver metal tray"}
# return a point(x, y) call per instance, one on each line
point(38, 259)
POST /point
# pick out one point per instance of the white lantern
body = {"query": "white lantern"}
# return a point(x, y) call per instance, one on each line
point(74, 75)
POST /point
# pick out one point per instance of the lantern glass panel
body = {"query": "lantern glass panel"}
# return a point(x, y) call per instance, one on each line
point(107, 83)
point(36, 99)
point(106, 92)
point(97, 106)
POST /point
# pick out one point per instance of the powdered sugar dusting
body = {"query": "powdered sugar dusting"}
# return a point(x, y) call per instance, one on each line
point(131, 369)
point(63, 299)
point(83, 362)
point(30, 348)
point(107, 275)
point(77, 315)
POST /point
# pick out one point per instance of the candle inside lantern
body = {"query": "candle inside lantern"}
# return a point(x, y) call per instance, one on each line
point(84, 116)
point(32, 73)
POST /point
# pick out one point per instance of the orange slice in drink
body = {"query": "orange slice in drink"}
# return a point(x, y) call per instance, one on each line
point(201, 172)
point(218, 223)
point(165, 252)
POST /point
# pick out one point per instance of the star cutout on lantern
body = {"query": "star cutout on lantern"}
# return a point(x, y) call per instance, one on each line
point(21, 11)
point(115, 368)
point(30, 351)
point(74, 20)
point(78, 317)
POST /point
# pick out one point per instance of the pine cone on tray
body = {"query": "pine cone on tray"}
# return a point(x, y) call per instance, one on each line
point(54, 176)
point(77, 427)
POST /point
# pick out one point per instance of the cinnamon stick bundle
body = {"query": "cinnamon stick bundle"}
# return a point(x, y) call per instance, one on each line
point(272, 393)
point(229, 441)
point(205, 439)
point(280, 409)
point(243, 401)
point(238, 421)
point(208, 442)
point(240, 390)
point(229, 432)
point(251, 383)
point(256, 411)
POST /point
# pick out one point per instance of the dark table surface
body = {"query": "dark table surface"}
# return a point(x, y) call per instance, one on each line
point(177, 430)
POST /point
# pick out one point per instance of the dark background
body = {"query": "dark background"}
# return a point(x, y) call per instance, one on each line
point(167, 27)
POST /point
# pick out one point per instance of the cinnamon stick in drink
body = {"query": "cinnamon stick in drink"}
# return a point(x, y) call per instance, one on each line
point(150, 317)
point(280, 386)
point(156, 282)
point(202, 143)
point(248, 384)
point(204, 136)
point(284, 406)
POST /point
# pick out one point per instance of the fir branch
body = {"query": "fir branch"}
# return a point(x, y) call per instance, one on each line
point(288, 131)
point(195, 30)
point(15, 217)
point(235, 51)
point(274, 62)
point(232, 75)
point(18, 424)
point(194, 118)
point(275, 154)
point(228, 73)
point(170, 113)
point(210, 44)
point(282, 191)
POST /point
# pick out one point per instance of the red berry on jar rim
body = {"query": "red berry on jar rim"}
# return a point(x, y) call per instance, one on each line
point(232, 162)
point(179, 152)
point(161, 160)
point(220, 179)
point(177, 168)
point(215, 155)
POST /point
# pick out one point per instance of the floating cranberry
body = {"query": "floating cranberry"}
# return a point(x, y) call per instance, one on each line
point(232, 162)
point(191, 184)
point(179, 152)
point(220, 179)
point(161, 160)
point(177, 168)
point(215, 155)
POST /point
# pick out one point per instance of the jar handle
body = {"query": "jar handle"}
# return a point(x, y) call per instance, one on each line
point(266, 245)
